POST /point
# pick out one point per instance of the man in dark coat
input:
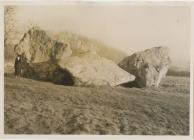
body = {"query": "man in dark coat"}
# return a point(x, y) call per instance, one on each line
point(18, 66)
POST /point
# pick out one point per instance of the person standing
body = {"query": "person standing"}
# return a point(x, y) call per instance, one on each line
point(18, 66)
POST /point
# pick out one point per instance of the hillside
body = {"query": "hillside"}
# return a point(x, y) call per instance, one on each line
point(34, 107)
point(76, 42)
point(178, 71)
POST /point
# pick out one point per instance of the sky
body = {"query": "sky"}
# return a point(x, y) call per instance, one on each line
point(128, 28)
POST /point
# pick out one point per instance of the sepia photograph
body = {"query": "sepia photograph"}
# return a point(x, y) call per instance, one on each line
point(97, 69)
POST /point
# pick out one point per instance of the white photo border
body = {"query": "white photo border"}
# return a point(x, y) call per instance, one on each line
point(189, 3)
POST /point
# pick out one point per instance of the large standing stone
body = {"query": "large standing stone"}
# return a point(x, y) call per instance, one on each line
point(38, 47)
point(149, 66)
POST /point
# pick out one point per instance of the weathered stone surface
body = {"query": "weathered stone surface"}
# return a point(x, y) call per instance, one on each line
point(86, 69)
point(91, 69)
point(149, 66)
point(37, 47)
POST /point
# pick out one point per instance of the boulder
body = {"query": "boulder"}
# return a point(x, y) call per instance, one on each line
point(38, 47)
point(93, 70)
point(149, 66)
point(86, 68)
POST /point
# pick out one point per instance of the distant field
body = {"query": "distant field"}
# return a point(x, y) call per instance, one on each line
point(34, 107)
point(178, 73)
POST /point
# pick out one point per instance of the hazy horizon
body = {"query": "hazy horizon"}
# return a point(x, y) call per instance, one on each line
point(127, 28)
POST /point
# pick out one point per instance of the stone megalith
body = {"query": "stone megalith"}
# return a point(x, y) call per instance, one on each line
point(149, 66)
point(93, 70)
point(84, 69)
point(38, 47)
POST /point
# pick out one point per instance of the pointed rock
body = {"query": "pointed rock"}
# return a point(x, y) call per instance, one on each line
point(149, 66)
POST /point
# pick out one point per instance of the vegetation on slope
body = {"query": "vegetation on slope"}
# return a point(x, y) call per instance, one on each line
point(33, 107)
point(182, 73)
point(76, 42)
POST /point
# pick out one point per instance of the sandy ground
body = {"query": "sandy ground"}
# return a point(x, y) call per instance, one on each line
point(34, 107)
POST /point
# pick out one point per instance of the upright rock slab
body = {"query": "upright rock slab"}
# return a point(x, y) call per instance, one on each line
point(149, 66)
point(38, 47)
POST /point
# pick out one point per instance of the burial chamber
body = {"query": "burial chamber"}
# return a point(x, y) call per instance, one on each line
point(47, 59)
